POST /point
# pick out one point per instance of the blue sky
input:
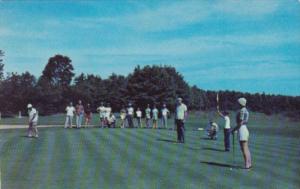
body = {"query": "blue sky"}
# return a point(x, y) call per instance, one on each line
point(249, 46)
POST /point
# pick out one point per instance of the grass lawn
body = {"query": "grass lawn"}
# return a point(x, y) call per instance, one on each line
point(147, 158)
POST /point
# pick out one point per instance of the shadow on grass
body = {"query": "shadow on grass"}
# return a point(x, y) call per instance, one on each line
point(25, 136)
point(206, 138)
point(213, 149)
point(220, 164)
point(195, 149)
point(166, 140)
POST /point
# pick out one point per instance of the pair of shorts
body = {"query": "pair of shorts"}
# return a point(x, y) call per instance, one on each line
point(33, 125)
point(243, 133)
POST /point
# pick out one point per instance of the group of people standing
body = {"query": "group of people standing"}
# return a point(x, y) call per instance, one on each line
point(108, 119)
point(127, 115)
point(80, 112)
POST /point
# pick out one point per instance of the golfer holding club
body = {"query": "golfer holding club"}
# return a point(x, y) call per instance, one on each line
point(33, 119)
point(243, 133)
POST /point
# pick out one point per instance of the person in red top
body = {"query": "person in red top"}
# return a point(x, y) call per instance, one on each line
point(88, 115)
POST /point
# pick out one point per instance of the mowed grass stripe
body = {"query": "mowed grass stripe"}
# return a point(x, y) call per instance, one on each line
point(61, 164)
point(175, 168)
point(141, 159)
point(96, 169)
point(40, 168)
point(14, 154)
point(22, 166)
point(128, 149)
point(78, 157)
point(110, 158)
point(8, 158)
point(160, 157)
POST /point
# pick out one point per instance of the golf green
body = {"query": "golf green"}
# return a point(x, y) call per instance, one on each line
point(148, 158)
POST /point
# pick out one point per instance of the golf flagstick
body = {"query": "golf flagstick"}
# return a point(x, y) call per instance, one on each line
point(217, 98)
point(233, 149)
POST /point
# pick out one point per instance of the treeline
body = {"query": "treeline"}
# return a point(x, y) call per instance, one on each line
point(58, 85)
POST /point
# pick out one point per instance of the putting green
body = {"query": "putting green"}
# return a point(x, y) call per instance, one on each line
point(147, 158)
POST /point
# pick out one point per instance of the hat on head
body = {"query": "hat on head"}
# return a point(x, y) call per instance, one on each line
point(29, 106)
point(242, 101)
point(179, 99)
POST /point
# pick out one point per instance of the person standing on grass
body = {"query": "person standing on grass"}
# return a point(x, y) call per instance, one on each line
point(164, 116)
point(79, 114)
point(111, 121)
point(180, 117)
point(243, 133)
point(101, 109)
point(107, 113)
point(139, 117)
point(148, 116)
point(123, 117)
point(225, 116)
point(155, 116)
point(70, 114)
point(88, 115)
point(130, 113)
point(33, 120)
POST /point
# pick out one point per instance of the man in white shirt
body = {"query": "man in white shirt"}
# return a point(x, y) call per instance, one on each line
point(130, 112)
point(227, 130)
point(180, 117)
point(102, 112)
point(164, 118)
point(33, 120)
point(70, 109)
point(139, 117)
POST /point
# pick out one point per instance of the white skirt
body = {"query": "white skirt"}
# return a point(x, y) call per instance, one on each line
point(243, 133)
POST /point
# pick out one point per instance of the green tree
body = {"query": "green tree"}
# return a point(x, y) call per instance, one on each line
point(90, 89)
point(156, 84)
point(17, 91)
point(1, 65)
point(59, 71)
point(116, 86)
point(53, 87)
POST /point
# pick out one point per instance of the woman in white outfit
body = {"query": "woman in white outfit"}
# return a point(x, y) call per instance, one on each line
point(242, 120)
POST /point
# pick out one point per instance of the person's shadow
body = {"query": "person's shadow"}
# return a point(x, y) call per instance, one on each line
point(220, 164)
point(205, 138)
point(213, 149)
point(166, 140)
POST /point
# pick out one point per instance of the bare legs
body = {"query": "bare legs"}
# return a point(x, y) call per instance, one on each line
point(246, 154)
point(32, 130)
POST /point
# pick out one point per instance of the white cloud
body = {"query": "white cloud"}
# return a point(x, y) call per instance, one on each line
point(4, 32)
point(171, 16)
point(247, 8)
point(199, 45)
point(262, 70)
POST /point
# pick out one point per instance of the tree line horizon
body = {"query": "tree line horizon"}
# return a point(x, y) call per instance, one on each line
point(51, 92)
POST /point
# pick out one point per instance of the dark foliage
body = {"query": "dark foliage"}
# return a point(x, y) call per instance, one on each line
point(147, 85)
